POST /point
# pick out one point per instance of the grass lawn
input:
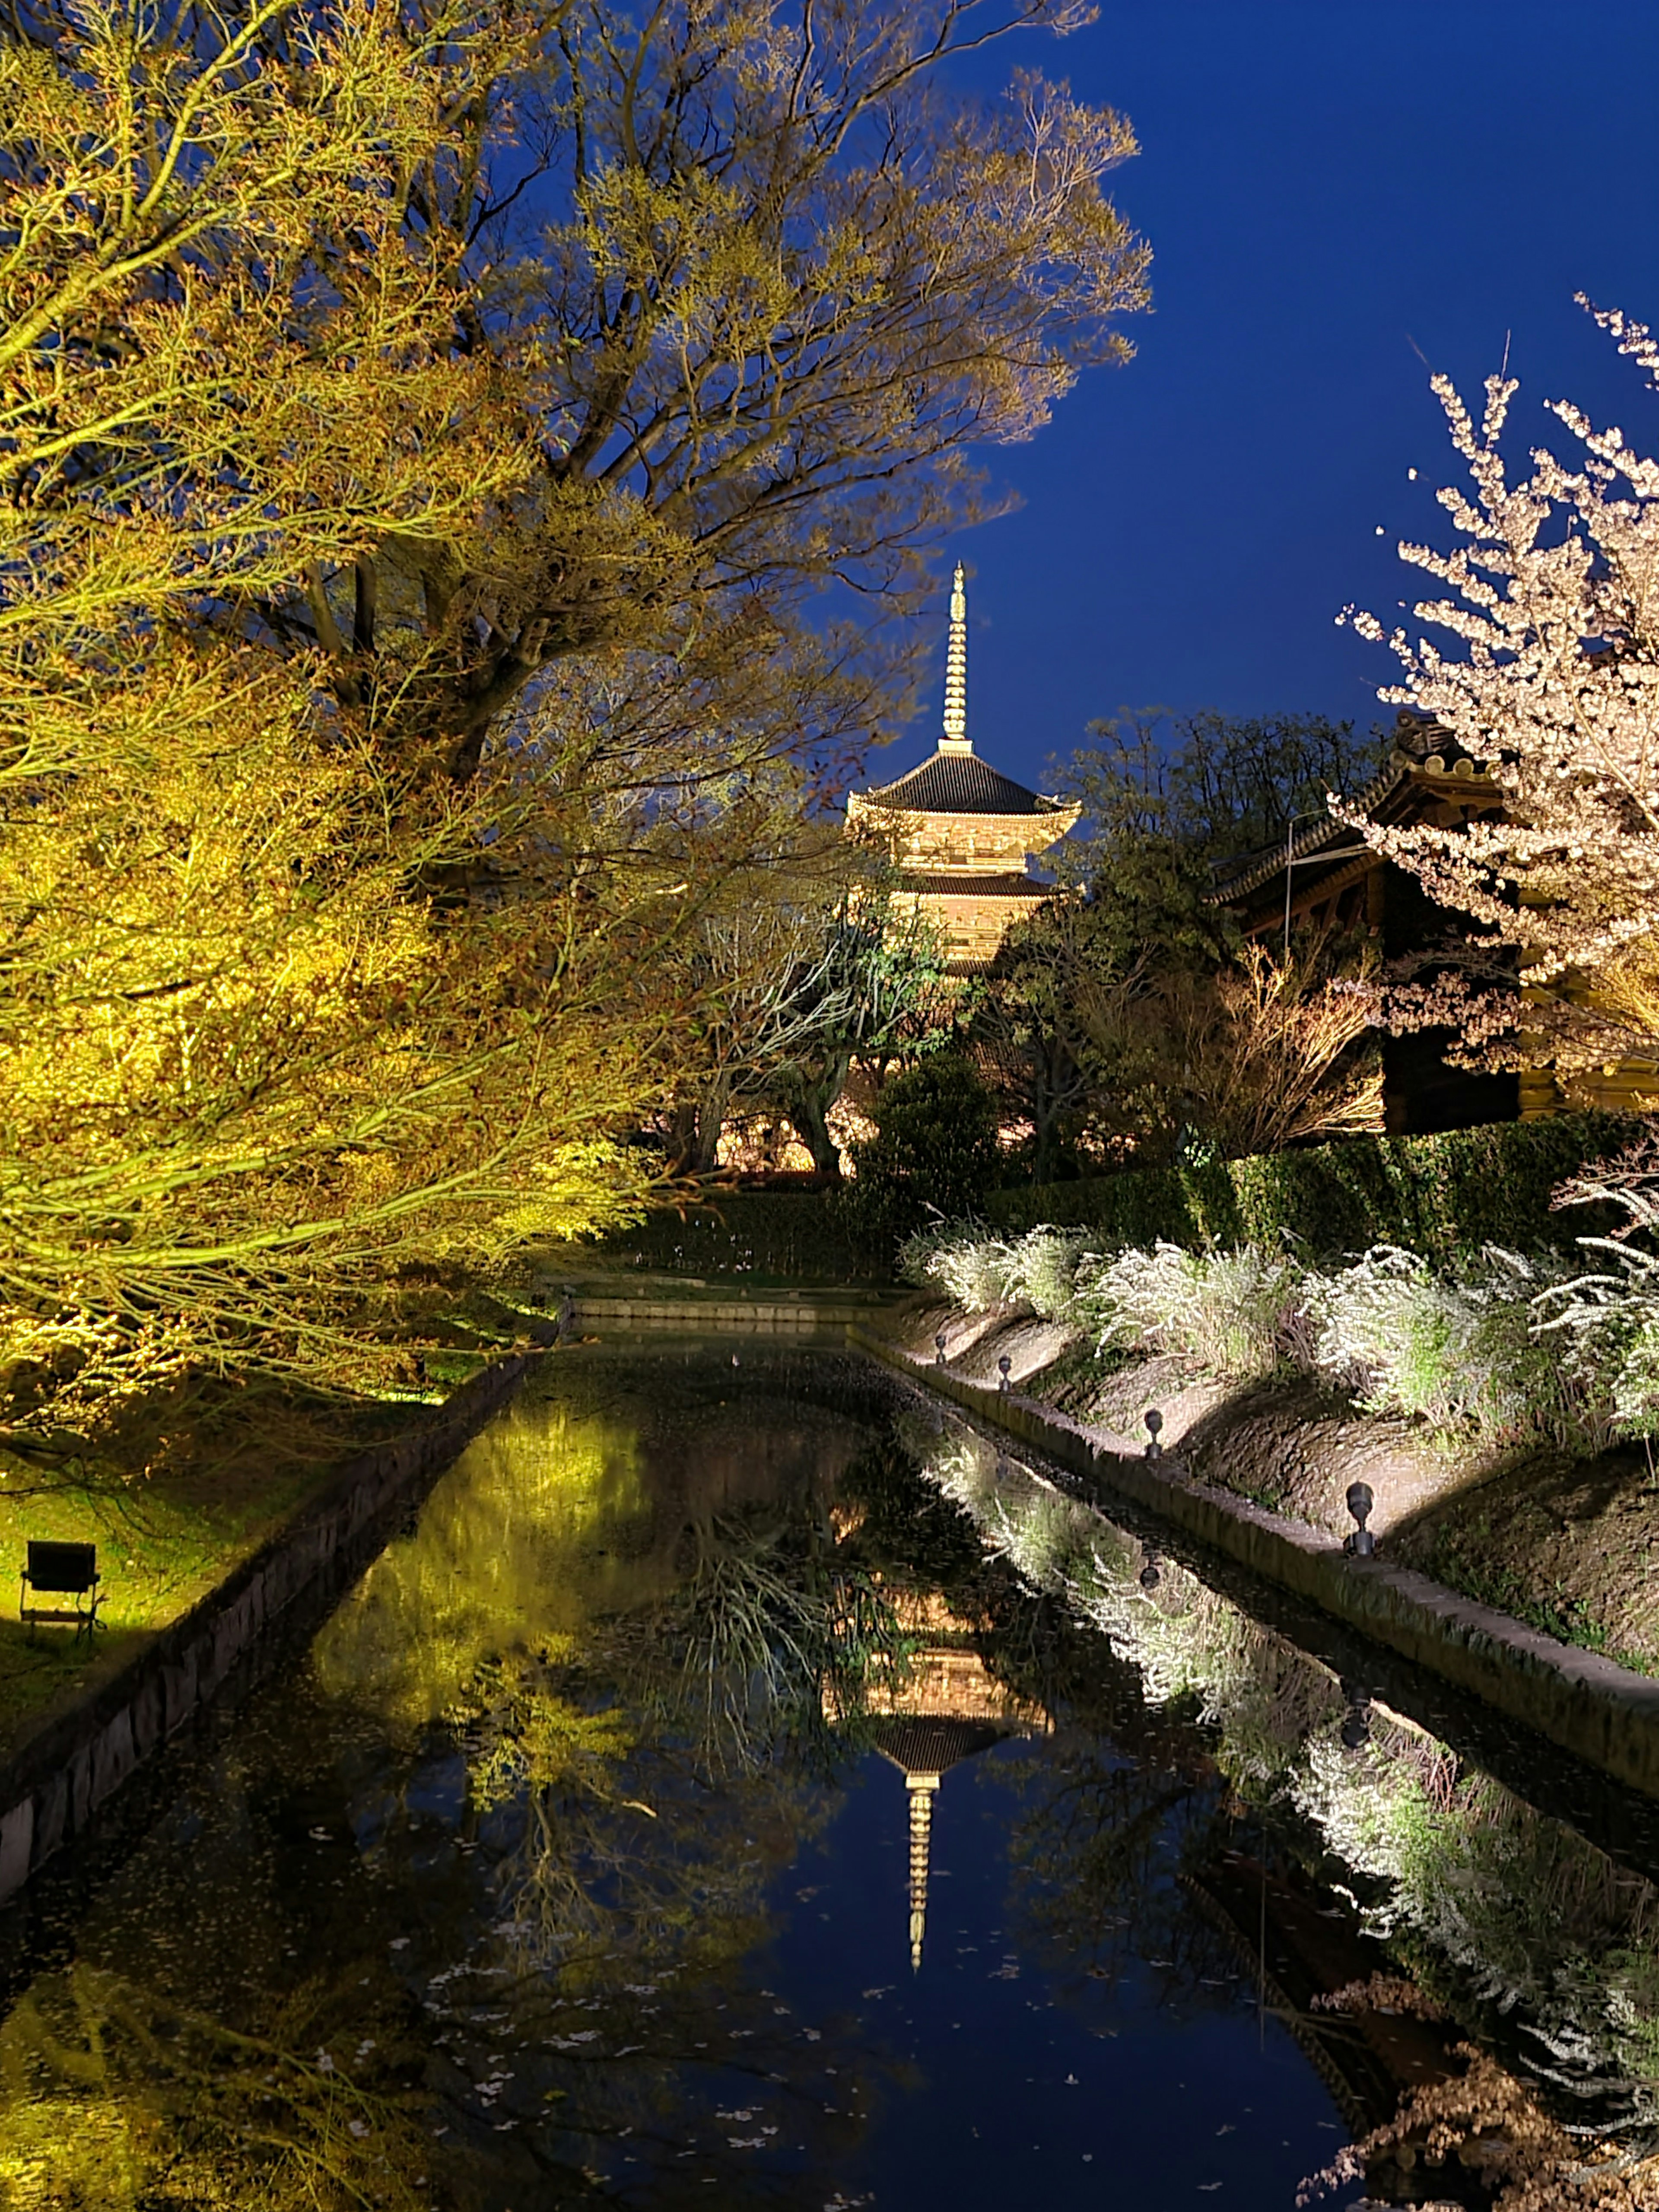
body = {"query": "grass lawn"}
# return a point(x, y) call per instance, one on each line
point(164, 1544)
point(254, 1457)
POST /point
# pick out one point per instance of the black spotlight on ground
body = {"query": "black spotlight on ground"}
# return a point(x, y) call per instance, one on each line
point(939, 1349)
point(1154, 1423)
point(1151, 1574)
point(1004, 1368)
point(1362, 1543)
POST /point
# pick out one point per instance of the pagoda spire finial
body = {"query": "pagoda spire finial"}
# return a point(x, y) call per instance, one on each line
point(956, 738)
point(922, 1789)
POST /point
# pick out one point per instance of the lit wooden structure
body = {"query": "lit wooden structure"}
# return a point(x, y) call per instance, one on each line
point(961, 832)
point(1323, 878)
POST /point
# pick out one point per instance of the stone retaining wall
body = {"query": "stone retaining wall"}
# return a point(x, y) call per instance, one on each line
point(786, 1315)
point(56, 1781)
point(1602, 1713)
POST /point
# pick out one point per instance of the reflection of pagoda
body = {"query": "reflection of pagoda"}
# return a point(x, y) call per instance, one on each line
point(949, 1710)
point(959, 830)
point(924, 1751)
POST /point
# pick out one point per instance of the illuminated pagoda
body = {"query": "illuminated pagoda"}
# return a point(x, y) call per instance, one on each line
point(962, 833)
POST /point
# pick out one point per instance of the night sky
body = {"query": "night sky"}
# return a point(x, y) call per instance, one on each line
point(1327, 185)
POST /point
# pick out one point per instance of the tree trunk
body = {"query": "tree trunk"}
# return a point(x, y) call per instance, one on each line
point(808, 1114)
point(711, 1110)
point(809, 1108)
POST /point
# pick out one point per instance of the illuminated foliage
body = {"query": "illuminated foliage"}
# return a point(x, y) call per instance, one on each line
point(517, 1547)
point(418, 432)
point(1550, 679)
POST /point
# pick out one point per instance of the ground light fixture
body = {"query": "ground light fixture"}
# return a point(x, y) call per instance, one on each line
point(1362, 1543)
point(1004, 1366)
point(1151, 1574)
point(1154, 1424)
point(939, 1349)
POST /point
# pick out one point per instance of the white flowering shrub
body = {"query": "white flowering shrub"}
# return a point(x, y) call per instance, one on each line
point(1041, 1269)
point(970, 1267)
point(1226, 1311)
point(1507, 1345)
point(1606, 1324)
point(979, 1273)
point(1454, 1351)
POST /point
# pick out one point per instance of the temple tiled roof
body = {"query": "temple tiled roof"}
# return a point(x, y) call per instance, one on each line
point(959, 783)
point(924, 1745)
point(963, 884)
point(1423, 750)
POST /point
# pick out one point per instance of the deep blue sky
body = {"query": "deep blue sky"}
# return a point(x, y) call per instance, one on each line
point(1323, 182)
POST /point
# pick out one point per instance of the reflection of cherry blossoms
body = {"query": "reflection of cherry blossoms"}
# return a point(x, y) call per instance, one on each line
point(1551, 596)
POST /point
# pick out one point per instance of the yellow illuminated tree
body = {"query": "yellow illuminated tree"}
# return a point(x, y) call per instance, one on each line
point(418, 432)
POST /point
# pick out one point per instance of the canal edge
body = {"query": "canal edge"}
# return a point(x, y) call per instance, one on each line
point(1602, 1713)
point(56, 1782)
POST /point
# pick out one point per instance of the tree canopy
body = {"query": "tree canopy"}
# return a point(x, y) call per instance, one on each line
point(421, 434)
point(1551, 680)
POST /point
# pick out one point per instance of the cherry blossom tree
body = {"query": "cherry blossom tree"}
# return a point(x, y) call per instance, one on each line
point(1551, 597)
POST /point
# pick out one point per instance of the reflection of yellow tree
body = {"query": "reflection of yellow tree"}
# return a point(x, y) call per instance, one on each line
point(117, 2098)
point(519, 1546)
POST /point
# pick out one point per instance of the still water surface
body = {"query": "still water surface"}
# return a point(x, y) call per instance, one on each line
point(685, 1810)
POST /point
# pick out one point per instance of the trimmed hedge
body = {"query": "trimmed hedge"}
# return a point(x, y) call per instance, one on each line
point(793, 1236)
point(1442, 1197)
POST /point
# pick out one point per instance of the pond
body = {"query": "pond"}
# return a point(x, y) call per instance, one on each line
point(737, 1785)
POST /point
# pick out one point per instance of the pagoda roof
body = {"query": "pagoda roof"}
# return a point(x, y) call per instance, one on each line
point(924, 1745)
point(952, 782)
point(965, 883)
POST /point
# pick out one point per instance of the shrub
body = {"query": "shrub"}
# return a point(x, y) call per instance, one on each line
point(970, 1268)
point(1227, 1311)
point(1445, 1196)
point(1606, 1323)
point(979, 1273)
point(800, 1236)
point(934, 1153)
point(1042, 1270)
point(1454, 1349)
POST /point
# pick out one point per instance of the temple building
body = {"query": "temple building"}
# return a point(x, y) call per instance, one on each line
point(962, 833)
point(1323, 877)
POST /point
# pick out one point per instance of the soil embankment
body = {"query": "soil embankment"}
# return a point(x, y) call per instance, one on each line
point(1568, 1547)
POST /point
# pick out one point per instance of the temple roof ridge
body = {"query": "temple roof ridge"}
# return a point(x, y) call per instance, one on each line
point(959, 782)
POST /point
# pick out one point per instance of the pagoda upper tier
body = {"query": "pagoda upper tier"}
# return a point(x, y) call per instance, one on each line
point(960, 831)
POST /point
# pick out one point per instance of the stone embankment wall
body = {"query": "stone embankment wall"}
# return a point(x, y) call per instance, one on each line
point(53, 1784)
point(693, 1305)
point(1602, 1713)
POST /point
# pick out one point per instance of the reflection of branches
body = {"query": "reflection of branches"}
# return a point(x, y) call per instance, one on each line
point(114, 2091)
point(1096, 1875)
point(770, 1633)
point(622, 1780)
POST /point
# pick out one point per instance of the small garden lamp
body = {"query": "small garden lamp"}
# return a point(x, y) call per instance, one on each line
point(939, 1349)
point(1154, 1424)
point(1362, 1543)
point(1150, 1575)
point(1004, 1366)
